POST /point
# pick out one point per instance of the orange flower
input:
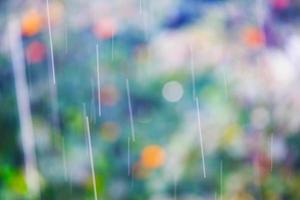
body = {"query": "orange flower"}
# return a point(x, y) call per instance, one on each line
point(153, 156)
point(32, 23)
point(254, 37)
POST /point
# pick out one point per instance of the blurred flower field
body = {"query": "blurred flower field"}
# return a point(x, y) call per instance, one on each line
point(158, 100)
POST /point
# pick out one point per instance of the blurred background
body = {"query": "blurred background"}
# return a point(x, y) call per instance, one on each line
point(158, 100)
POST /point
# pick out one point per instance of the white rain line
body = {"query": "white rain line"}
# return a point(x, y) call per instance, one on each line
point(23, 103)
point(130, 110)
point(128, 156)
point(98, 80)
point(192, 71)
point(201, 139)
point(221, 180)
point(51, 44)
point(91, 156)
